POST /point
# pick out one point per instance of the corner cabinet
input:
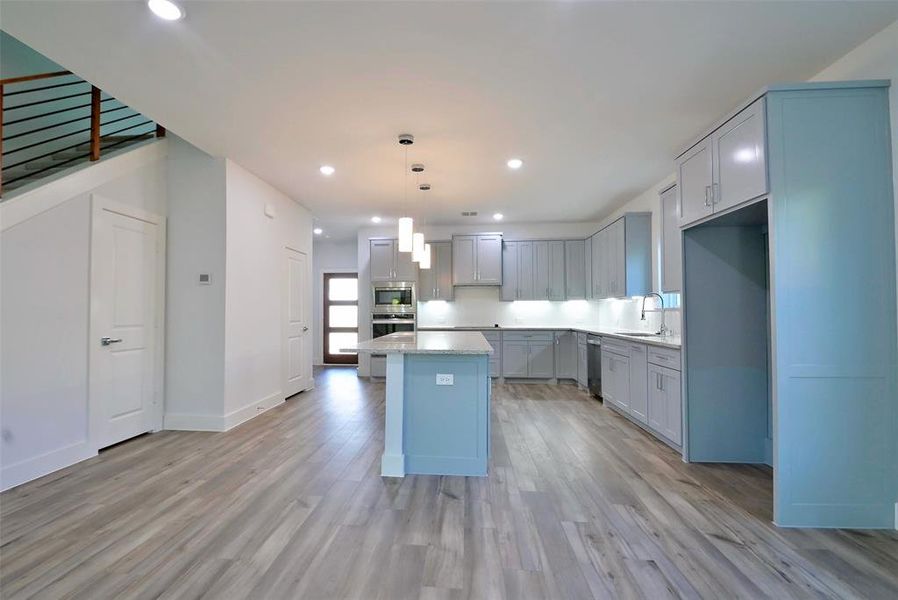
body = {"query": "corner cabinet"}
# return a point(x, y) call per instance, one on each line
point(477, 259)
point(621, 258)
point(386, 263)
point(726, 168)
point(435, 283)
point(575, 270)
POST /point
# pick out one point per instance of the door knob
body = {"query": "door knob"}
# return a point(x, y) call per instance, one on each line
point(305, 328)
point(105, 341)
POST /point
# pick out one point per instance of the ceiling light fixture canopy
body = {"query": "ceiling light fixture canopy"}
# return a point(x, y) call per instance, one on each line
point(166, 10)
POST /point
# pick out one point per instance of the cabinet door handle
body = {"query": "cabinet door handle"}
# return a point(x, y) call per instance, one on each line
point(707, 195)
point(715, 193)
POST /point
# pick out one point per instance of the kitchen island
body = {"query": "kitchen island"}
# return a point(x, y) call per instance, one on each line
point(437, 402)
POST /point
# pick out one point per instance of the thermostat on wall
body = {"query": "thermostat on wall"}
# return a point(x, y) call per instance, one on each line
point(205, 278)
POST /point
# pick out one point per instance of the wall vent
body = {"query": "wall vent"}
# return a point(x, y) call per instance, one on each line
point(469, 213)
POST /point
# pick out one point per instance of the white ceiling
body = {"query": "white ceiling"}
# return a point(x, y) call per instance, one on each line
point(595, 97)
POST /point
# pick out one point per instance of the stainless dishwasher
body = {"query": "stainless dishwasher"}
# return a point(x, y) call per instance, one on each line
point(594, 365)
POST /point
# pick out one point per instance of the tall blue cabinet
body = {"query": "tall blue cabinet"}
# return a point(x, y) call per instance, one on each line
point(787, 217)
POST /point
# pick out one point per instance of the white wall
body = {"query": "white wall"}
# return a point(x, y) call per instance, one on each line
point(254, 290)
point(877, 58)
point(195, 314)
point(328, 257)
point(44, 270)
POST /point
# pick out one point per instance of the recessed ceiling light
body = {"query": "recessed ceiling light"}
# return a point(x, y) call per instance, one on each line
point(166, 9)
point(375, 219)
point(498, 216)
point(327, 170)
point(515, 163)
point(317, 231)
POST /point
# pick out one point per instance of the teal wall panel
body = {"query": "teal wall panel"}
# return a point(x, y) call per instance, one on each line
point(833, 283)
point(446, 428)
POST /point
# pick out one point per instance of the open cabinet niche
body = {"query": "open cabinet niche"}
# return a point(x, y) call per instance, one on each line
point(727, 315)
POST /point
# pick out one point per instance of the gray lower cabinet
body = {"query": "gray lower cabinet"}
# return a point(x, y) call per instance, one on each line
point(495, 340)
point(616, 378)
point(638, 390)
point(665, 409)
point(435, 283)
point(387, 263)
point(566, 356)
point(582, 361)
point(528, 354)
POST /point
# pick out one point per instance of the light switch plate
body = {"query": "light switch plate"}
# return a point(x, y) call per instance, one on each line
point(445, 379)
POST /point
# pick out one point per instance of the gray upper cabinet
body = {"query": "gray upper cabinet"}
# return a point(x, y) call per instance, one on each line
point(621, 257)
point(726, 168)
point(477, 259)
point(435, 283)
point(671, 249)
point(510, 289)
point(525, 271)
point(556, 275)
point(381, 260)
point(388, 264)
point(587, 267)
point(695, 177)
point(575, 280)
point(740, 156)
point(540, 271)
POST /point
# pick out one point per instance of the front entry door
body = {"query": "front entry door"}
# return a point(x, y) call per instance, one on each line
point(296, 325)
point(126, 300)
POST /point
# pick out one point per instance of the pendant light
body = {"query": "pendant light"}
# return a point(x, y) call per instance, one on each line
point(425, 258)
point(417, 247)
point(406, 224)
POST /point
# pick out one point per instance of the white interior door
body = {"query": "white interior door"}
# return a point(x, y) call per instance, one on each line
point(297, 366)
point(125, 329)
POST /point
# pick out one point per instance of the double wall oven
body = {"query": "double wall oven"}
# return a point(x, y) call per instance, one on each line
point(393, 306)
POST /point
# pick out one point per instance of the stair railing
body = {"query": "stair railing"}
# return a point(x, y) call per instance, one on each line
point(58, 111)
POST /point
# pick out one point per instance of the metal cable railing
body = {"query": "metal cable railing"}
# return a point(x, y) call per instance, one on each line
point(60, 126)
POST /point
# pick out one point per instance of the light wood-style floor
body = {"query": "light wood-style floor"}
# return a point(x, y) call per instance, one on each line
point(579, 504)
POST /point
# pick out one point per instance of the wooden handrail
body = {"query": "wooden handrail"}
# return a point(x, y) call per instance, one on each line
point(25, 78)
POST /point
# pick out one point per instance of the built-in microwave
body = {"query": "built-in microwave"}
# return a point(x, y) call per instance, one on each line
point(393, 297)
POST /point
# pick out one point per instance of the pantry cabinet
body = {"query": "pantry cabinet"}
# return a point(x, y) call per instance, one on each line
point(435, 283)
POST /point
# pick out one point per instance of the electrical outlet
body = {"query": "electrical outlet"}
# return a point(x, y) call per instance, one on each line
point(445, 379)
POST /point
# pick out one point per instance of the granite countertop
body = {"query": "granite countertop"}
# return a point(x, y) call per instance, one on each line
point(445, 341)
point(668, 341)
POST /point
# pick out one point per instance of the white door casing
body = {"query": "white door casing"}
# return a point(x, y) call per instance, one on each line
point(296, 331)
point(127, 303)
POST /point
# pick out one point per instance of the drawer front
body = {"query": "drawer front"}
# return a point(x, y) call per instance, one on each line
point(529, 336)
point(616, 346)
point(664, 357)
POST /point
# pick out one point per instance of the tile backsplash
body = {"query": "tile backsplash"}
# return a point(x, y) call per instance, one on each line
point(474, 306)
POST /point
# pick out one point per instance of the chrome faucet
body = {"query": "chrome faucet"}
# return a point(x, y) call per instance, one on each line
point(663, 330)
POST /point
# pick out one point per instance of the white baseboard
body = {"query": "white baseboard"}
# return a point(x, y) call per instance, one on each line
point(38, 466)
point(189, 422)
point(241, 415)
